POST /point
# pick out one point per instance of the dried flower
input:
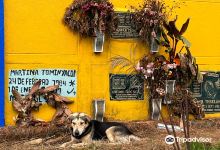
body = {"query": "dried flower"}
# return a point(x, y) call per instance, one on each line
point(149, 19)
point(87, 16)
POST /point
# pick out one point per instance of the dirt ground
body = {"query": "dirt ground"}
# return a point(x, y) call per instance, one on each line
point(51, 137)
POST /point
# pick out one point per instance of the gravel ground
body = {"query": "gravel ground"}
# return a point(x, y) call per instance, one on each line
point(51, 137)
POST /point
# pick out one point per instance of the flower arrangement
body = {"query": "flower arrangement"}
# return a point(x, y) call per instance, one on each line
point(88, 16)
point(169, 79)
point(180, 66)
point(149, 21)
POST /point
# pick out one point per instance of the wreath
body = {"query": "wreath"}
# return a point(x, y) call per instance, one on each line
point(89, 16)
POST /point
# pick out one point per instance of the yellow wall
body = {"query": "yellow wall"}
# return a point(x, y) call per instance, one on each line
point(36, 38)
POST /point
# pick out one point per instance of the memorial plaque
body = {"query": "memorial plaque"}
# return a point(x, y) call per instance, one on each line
point(126, 87)
point(23, 79)
point(126, 28)
point(208, 91)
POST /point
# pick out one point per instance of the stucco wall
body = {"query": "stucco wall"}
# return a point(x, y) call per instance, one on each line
point(35, 38)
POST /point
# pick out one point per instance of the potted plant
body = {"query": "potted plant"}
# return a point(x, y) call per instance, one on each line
point(93, 18)
point(149, 22)
point(180, 69)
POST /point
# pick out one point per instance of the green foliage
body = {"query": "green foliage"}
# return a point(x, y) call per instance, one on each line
point(185, 41)
point(203, 146)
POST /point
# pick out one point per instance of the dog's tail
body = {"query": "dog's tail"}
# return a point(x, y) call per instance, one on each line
point(134, 138)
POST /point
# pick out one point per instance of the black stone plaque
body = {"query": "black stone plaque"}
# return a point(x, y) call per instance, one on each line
point(208, 91)
point(126, 28)
point(126, 87)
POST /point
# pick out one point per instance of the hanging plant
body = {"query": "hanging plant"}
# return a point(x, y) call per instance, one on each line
point(89, 16)
point(149, 21)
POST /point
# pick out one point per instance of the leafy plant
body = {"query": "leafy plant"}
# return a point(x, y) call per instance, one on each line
point(181, 67)
point(186, 69)
point(175, 36)
point(203, 146)
point(87, 16)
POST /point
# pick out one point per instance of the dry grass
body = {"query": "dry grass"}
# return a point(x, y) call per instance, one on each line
point(152, 138)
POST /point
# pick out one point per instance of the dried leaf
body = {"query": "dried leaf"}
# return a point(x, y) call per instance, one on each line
point(173, 29)
point(184, 27)
point(121, 62)
point(51, 102)
point(58, 113)
point(57, 97)
point(66, 100)
point(49, 89)
point(68, 111)
point(35, 87)
point(16, 105)
point(35, 104)
point(17, 95)
point(60, 98)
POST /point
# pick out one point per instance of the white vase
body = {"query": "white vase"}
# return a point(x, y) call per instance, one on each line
point(154, 46)
point(169, 89)
point(155, 111)
point(98, 109)
point(99, 41)
point(170, 86)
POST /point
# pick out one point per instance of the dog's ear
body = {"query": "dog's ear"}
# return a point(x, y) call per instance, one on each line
point(73, 116)
point(70, 118)
point(87, 118)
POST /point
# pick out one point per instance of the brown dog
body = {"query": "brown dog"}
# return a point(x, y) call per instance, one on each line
point(84, 130)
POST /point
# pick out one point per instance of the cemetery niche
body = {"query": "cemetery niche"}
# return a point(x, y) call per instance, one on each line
point(126, 28)
point(126, 87)
point(208, 92)
point(28, 89)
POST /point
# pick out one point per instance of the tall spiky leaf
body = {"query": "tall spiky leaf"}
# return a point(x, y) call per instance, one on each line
point(184, 27)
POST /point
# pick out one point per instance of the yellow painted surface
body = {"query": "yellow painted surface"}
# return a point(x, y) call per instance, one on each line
point(36, 38)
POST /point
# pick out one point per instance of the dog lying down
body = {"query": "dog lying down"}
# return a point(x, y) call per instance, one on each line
point(84, 130)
